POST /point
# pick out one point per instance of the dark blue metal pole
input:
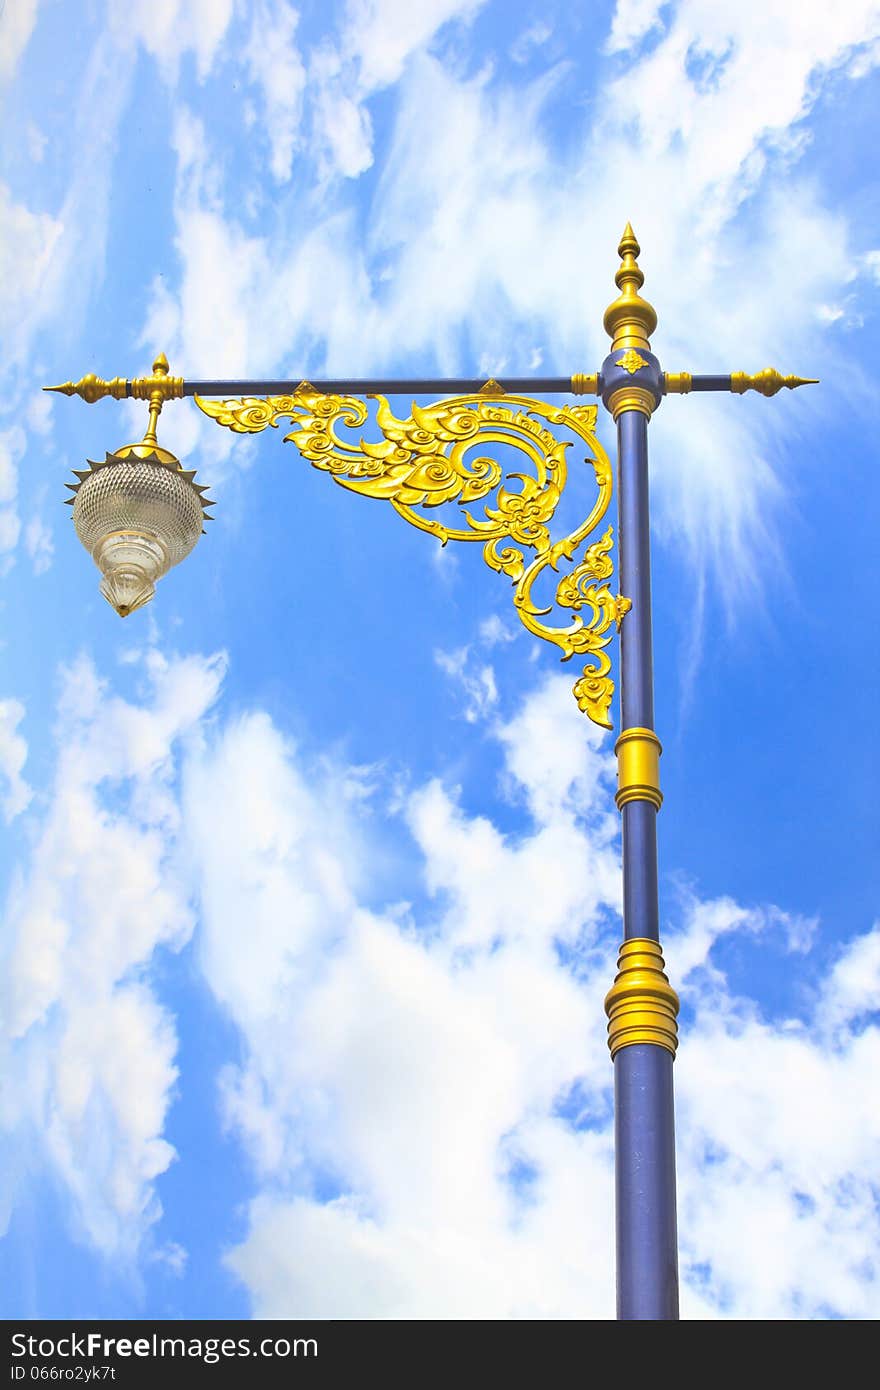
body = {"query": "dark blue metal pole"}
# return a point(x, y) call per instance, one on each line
point(641, 1005)
point(644, 1139)
point(647, 1248)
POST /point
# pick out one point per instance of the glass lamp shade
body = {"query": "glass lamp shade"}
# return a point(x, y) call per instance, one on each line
point(138, 514)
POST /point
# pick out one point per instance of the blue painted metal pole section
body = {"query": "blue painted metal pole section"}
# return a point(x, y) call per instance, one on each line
point(640, 915)
point(647, 1254)
point(644, 1138)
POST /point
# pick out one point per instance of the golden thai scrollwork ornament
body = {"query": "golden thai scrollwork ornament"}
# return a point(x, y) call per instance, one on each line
point(443, 454)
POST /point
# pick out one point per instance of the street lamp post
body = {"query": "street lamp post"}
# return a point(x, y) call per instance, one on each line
point(139, 513)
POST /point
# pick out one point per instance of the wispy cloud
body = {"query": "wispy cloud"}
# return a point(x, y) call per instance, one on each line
point(424, 1094)
point(87, 1046)
point(426, 1098)
point(13, 756)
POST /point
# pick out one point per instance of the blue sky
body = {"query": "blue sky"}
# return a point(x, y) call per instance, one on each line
point(311, 869)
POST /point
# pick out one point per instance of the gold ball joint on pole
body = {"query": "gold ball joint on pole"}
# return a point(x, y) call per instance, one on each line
point(641, 1005)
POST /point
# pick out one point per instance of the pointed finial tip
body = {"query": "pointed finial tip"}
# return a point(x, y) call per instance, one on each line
point(794, 381)
point(160, 366)
point(628, 242)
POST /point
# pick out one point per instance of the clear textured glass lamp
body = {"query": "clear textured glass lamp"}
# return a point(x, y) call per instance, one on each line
point(138, 513)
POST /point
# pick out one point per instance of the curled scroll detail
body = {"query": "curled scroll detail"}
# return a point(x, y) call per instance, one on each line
point(444, 453)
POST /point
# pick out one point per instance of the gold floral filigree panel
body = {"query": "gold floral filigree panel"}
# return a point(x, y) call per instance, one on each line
point(439, 455)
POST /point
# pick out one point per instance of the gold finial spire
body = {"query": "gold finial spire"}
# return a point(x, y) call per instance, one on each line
point(768, 382)
point(630, 320)
point(92, 388)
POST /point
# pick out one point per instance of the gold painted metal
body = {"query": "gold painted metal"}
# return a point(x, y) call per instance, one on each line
point(678, 383)
point(169, 387)
point(585, 385)
point(162, 387)
point(156, 397)
point(429, 459)
point(92, 388)
point(638, 767)
point(631, 361)
point(623, 607)
point(148, 451)
point(631, 398)
point(641, 1005)
point(768, 382)
point(630, 320)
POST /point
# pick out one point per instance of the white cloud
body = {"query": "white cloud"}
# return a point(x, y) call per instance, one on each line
point(477, 685)
point(13, 443)
point(382, 35)
point(853, 991)
point(168, 29)
point(12, 447)
point(443, 1070)
point(39, 544)
point(39, 413)
point(36, 142)
point(427, 1068)
point(13, 756)
point(633, 19)
point(776, 1145)
point(52, 261)
point(559, 758)
point(380, 1028)
point(16, 27)
point(750, 84)
point(88, 1047)
point(375, 41)
point(343, 130)
point(705, 922)
point(531, 38)
point(493, 631)
point(27, 246)
point(871, 261)
point(49, 262)
point(215, 334)
point(275, 65)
